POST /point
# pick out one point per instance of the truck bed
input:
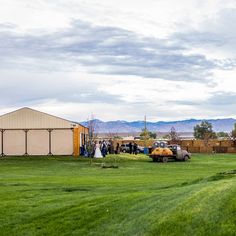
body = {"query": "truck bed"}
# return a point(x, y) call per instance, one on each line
point(162, 158)
point(159, 156)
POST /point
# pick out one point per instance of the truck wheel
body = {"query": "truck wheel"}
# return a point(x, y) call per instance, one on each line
point(185, 158)
point(165, 159)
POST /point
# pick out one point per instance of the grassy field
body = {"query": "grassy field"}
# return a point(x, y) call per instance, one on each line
point(67, 196)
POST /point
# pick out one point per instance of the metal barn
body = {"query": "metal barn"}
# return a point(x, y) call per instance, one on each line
point(31, 132)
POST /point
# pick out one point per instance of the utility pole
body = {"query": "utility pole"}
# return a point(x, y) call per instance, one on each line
point(145, 122)
point(145, 135)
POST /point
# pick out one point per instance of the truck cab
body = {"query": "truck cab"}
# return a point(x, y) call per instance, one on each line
point(179, 153)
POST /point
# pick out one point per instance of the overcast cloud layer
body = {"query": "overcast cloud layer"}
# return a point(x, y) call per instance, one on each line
point(120, 60)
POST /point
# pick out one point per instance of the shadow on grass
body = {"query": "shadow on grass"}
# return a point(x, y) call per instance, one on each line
point(216, 177)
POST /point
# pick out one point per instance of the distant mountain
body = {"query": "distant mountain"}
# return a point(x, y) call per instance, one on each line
point(120, 126)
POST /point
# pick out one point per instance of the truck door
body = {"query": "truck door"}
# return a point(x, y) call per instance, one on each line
point(179, 153)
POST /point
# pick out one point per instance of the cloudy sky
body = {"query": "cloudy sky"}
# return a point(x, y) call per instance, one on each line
point(119, 59)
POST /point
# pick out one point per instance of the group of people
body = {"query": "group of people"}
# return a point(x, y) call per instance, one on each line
point(98, 149)
point(101, 149)
point(133, 148)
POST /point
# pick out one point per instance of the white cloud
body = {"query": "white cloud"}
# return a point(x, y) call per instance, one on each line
point(121, 60)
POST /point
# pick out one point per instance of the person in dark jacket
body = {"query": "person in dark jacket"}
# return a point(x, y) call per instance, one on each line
point(130, 148)
point(109, 147)
point(103, 149)
point(135, 149)
point(117, 148)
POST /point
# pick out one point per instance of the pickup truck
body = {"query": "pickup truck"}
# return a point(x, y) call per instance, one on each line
point(178, 155)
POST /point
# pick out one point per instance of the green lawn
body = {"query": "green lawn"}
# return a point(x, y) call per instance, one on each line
point(67, 196)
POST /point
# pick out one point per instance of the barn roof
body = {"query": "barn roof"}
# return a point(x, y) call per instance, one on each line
point(27, 118)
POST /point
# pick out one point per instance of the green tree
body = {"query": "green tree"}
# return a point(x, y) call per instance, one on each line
point(153, 135)
point(146, 134)
point(223, 135)
point(204, 131)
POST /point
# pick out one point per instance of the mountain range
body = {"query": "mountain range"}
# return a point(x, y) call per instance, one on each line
point(119, 126)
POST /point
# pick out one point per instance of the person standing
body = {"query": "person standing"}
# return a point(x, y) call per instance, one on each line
point(103, 149)
point(135, 149)
point(109, 147)
point(117, 148)
point(112, 147)
point(130, 148)
point(97, 153)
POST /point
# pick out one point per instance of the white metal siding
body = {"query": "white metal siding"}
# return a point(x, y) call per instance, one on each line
point(37, 123)
point(14, 142)
point(38, 142)
point(62, 142)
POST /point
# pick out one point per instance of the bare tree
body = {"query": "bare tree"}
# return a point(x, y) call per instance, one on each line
point(174, 137)
point(90, 145)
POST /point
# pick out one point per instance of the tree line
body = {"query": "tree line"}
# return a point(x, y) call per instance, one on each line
point(202, 131)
